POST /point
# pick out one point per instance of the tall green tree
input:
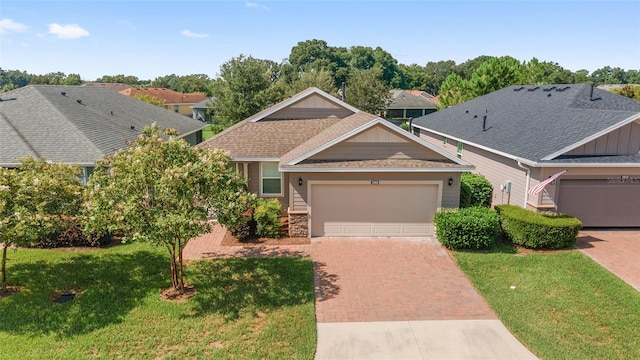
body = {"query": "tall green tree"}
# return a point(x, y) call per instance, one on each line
point(321, 79)
point(245, 87)
point(495, 74)
point(466, 69)
point(368, 92)
point(162, 191)
point(454, 91)
point(436, 73)
point(35, 199)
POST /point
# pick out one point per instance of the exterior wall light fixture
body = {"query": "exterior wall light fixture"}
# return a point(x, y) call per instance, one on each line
point(300, 181)
point(450, 182)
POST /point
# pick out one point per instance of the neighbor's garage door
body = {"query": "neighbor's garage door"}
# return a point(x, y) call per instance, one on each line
point(373, 210)
point(599, 202)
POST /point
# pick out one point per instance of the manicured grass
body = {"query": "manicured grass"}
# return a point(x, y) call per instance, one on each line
point(244, 308)
point(564, 305)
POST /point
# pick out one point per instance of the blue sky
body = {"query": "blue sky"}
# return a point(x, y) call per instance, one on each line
point(154, 38)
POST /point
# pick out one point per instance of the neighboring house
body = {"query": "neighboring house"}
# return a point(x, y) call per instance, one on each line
point(177, 102)
point(111, 86)
point(200, 110)
point(410, 104)
point(522, 135)
point(338, 171)
point(77, 124)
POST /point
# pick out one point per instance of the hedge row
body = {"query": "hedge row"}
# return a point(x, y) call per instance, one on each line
point(469, 228)
point(475, 190)
point(538, 231)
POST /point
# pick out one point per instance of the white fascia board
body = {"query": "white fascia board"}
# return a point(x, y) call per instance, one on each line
point(583, 165)
point(592, 137)
point(482, 147)
point(377, 170)
point(261, 115)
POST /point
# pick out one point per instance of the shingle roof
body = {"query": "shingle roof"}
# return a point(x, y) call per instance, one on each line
point(409, 99)
point(267, 138)
point(533, 122)
point(76, 124)
point(292, 141)
point(341, 127)
point(169, 96)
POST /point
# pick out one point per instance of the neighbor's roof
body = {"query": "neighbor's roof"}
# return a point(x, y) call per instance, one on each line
point(410, 99)
point(168, 96)
point(534, 123)
point(204, 104)
point(76, 124)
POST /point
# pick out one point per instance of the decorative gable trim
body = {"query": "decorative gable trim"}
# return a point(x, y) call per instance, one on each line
point(592, 137)
point(296, 98)
point(398, 131)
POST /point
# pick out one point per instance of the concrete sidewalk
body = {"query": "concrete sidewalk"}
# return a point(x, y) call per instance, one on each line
point(431, 339)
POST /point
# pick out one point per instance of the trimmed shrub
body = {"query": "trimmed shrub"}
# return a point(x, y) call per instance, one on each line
point(71, 234)
point(538, 231)
point(475, 190)
point(469, 228)
point(267, 217)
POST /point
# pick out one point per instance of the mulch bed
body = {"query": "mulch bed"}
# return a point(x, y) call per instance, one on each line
point(230, 240)
point(173, 295)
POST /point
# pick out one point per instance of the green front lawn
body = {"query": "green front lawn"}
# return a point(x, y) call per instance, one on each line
point(244, 308)
point(563, 306)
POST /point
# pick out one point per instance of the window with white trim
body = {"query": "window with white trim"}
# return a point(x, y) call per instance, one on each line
point(459, 150)
point(270, 179)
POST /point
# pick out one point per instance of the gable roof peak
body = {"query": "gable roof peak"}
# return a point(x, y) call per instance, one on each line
point(298, 97)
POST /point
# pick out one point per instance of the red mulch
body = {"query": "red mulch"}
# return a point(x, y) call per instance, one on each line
point(174, 295)
point(230, 240)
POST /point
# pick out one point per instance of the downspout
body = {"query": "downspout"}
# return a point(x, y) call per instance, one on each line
point(526, 186)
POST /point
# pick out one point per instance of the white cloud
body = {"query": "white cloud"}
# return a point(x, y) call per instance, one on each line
point(8, 25)
point(188, 33)
point(71, 31)
point(251, 4)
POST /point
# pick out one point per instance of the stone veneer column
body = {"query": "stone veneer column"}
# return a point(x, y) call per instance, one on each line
point(298, 223)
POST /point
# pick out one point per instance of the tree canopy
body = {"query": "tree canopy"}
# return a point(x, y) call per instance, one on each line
point(161, 191)
point(35, 199)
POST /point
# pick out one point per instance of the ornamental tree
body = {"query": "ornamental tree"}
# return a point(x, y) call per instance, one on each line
point(36, 200)
point(160, 190)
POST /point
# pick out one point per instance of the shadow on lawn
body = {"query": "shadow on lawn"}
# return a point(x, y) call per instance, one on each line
point(107, 287)
point(239, 285)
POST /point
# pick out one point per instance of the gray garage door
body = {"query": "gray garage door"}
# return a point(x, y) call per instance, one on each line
point(373, 210)
point(601, 202)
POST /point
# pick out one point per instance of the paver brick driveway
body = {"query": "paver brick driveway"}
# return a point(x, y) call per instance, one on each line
point(361, 280)
point(616, 250)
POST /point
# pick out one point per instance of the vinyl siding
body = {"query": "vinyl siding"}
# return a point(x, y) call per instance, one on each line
point(312, 107)
point(495, 168)
point(622, 141)
point(299, 197)
point(375, 144)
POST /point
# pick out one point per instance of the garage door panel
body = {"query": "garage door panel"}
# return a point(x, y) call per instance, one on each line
point(373, 210)
point(597, 202)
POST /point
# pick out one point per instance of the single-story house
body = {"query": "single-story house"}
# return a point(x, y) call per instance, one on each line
point(520, 136)
point(339, 171)
point(78, 124)
point(178, 102)
point(200, 110)
point(410, 104)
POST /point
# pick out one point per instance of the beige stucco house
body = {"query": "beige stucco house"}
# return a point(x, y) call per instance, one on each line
point(522, 135)
point(338, 171)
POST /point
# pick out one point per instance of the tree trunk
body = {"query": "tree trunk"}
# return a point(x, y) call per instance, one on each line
point(181, 268)
point(4, 268)
point(174, 281)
